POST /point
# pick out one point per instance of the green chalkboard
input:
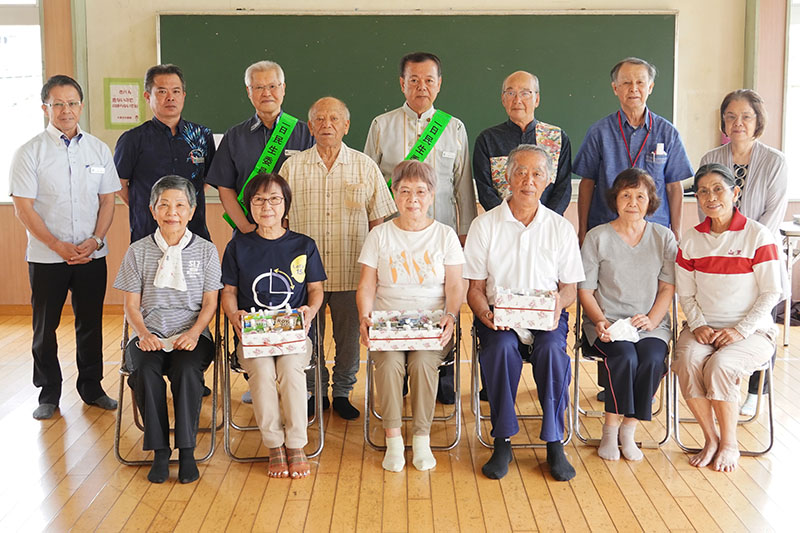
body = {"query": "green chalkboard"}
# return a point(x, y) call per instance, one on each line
point(355, 58)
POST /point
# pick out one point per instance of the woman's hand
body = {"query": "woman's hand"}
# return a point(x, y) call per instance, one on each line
point(448, 324)
point(601, 329)
point(643, 322)
point(308, 316)
point(363, 329)
point(725, 337)
point(704, 334)
point(149, 343)
point(236, 320)
point(187, 342)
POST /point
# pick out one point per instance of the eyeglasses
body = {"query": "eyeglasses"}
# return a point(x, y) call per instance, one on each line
point(408, 193)
point(272, 87)
point(259, 201)
point(744, 117)
point(524, 94)
point(60, 106)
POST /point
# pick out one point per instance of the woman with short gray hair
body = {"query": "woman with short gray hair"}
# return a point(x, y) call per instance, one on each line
point(170, 280)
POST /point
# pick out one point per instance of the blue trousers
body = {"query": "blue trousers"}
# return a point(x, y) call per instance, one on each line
point(501, 366)
point(634, 371)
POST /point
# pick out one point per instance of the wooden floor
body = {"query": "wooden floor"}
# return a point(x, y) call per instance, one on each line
point(61, 474)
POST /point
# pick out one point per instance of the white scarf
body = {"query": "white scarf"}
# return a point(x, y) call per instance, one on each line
point(170, 267)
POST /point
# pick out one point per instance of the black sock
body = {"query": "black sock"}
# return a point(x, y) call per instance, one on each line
point(497, 466)
point(187, 467)
point(159, 471)
point(345, 409)
point(560, 468)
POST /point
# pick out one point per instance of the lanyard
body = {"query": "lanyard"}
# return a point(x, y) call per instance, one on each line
point(627, 148)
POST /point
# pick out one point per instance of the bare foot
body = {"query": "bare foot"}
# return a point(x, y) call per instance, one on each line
point(277, 462)
point(298, 463)
point(727, 459)
point(706, 455)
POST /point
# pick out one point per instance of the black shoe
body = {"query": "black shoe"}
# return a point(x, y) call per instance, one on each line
point(345, 409)
point(601, 396)
point(405, 386)
point(446, 397)
point(206, 391)
point(312, 406)
point(483, 395)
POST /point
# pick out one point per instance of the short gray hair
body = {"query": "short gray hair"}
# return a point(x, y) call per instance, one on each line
point(263, 66)
point(412, 168)
point(512, 159)
point(651, 69)
point(341, 103)
point(172, 182)
point(534, 76)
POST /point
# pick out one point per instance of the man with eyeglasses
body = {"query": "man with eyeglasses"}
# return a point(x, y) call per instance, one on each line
point(63, 183)
point(417, 130)
point(520, 98)
point(165, 145)
point(339, 195)
point(264, 140)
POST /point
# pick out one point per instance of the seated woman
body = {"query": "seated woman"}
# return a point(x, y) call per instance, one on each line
point(170, 279)
point(268, 269)
point(630, 273)
point(411, 262)
point(728, 280)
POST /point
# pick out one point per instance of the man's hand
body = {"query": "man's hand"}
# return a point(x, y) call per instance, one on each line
point(66, 250)
point(557, 315)
point(85, 249)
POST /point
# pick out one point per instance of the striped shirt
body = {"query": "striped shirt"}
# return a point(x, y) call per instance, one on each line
point(731, 279)
point(334, 208)
point(166, 311)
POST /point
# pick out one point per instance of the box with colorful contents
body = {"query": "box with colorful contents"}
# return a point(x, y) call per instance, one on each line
point(525, 308)
point(400, 331)
point(269, 333)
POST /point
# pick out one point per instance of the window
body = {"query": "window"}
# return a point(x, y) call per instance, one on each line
point(791, 136)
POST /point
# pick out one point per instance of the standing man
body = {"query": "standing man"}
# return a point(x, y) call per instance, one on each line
point(634, 136)
point(339, 195)
point(63, 183)
point(165, 145)
point(520, 98)
point(262, 142)
point(418, 131)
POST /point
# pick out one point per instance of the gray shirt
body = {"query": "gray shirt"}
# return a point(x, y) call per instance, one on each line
point(624, 278)
point(167, 311)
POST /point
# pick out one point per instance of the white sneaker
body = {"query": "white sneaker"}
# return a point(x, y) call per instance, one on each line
point(749, 406)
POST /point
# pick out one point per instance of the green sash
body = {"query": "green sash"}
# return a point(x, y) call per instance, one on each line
point(429, 137)
point(269, 157)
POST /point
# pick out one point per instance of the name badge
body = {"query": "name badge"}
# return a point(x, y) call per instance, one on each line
point(97, 170)
point(448, 155)
point(290, 153)
point(198, 160)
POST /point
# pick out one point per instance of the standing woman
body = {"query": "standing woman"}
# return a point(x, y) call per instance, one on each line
point(759, 171)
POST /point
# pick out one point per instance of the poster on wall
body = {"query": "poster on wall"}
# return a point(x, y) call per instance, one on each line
point(124, 99)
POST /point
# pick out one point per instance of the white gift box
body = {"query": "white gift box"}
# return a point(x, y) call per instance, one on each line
point(401, 331)
point(525, 308)
point(269, 333)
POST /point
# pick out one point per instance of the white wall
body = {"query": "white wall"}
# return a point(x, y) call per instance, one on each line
point(121, 42)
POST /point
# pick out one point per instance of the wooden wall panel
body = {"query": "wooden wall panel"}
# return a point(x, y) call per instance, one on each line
point(58, 51)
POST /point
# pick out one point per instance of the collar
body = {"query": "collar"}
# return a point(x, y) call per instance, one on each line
point(737, 223)
point(257, 122)
point(343, 158)
point(178, 129)
point(413, 114)
point(55, 133)
point(507, 216)
point(529, 128)
point(648, 119)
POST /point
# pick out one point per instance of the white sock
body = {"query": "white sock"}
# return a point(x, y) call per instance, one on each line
point(629, 448)
point(395, 458)
point(749, 405)
point(609, 448)
point(423, 457)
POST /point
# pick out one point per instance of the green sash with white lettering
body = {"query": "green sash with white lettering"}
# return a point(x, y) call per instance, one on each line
point(269, 157)
point(429, 137)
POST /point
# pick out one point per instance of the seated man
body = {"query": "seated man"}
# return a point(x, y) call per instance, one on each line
point(522, 244)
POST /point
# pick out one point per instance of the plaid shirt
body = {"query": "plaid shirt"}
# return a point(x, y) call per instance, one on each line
point(334, 207)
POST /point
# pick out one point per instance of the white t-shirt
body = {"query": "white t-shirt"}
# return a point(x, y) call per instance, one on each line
point(410, 265)
point(503, 251)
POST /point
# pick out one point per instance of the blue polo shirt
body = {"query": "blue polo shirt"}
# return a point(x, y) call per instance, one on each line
point(148, 152)
point(603, 155)
point(243, 144)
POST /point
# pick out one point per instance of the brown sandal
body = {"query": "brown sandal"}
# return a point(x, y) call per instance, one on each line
point(278, 466)
point(298, 463)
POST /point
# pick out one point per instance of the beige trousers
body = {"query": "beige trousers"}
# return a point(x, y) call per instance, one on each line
point(278, 387)
point(423, 378)
point(705, 372)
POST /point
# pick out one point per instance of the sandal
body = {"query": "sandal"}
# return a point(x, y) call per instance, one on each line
point(278, 467)
point(298, 463)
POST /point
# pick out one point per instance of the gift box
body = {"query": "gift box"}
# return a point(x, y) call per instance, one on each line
point(525, 308)
point(269, 333)
point(400, 331)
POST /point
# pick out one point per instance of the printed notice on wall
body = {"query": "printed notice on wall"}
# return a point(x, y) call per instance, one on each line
point(124, 99)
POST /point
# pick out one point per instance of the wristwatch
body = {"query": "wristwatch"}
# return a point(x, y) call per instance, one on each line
point(454, 317)
point(99, 242)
